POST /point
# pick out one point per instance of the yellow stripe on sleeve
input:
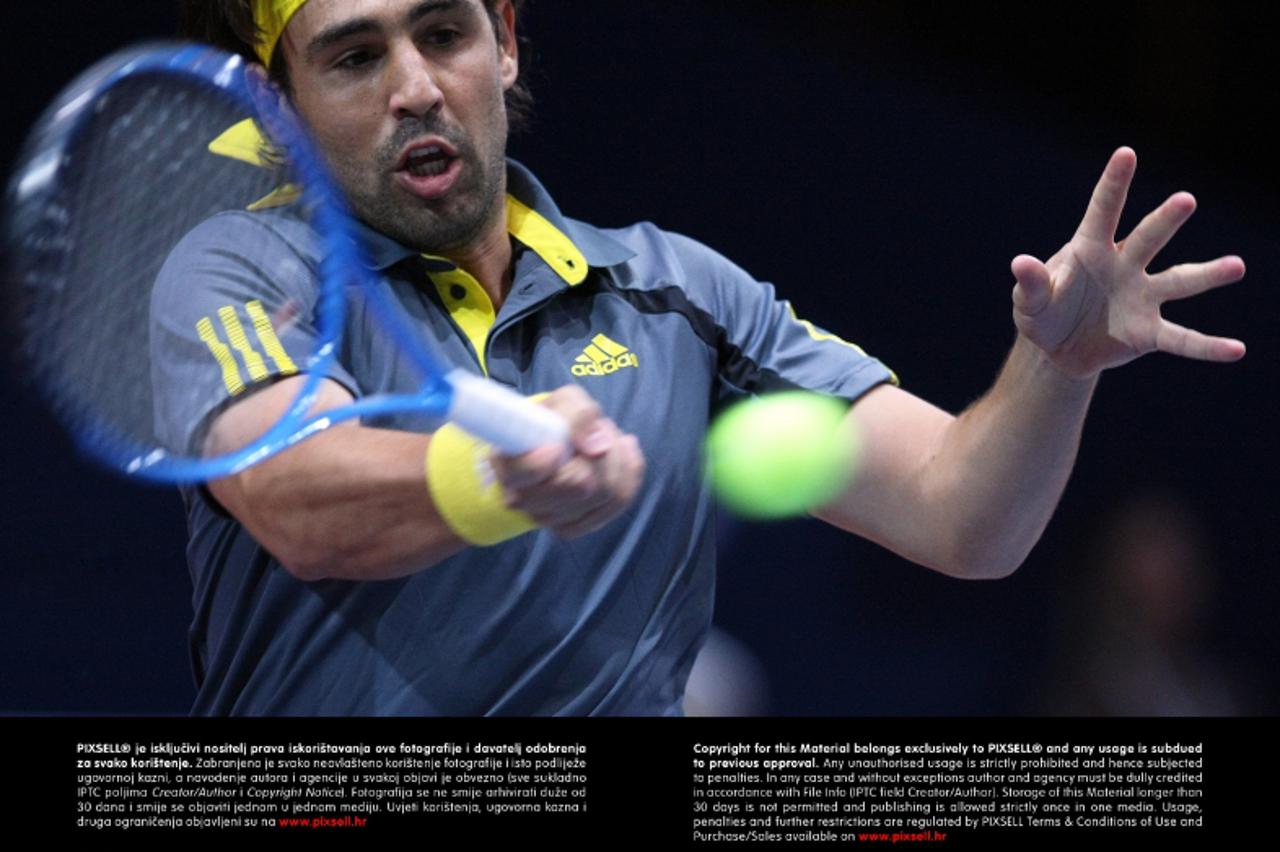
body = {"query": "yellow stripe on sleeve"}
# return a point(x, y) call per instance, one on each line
point(267, 337)
point(221, 354)
point(239, 342)
point(822, 335)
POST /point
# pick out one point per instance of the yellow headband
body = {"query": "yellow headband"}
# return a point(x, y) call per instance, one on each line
point(272, 16)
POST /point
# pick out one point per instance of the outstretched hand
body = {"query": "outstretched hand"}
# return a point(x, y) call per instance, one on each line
point(1093, 305)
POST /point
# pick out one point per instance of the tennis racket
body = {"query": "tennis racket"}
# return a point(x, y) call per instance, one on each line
point(116, 172)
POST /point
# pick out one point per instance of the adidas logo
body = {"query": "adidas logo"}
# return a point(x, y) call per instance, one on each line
point(603, 356)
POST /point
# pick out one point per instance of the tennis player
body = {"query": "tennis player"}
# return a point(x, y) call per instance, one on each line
point(377, 569)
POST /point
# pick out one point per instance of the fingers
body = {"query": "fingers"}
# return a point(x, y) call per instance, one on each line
point(589, 434)
point(1102, 217)
point(577, 494)
point(572, 489)
point(621, 475)
point(1034, 286)
point(1188, 343)
point(1190, 279)
point(589, 431)
point(584, 494)
point(527, 469)
point(1157, 228)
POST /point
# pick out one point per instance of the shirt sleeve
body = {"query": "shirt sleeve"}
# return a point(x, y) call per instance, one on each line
point(761, 344)
point(232, 311)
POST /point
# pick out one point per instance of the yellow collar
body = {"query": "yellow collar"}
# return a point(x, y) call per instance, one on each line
point(550, 243)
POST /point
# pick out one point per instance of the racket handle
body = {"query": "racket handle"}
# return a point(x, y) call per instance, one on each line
point(504, 418)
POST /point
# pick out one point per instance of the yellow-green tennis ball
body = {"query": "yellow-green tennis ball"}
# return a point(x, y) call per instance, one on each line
point(781, 454)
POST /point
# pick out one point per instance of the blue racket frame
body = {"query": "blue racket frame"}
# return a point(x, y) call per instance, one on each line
point(344, 264)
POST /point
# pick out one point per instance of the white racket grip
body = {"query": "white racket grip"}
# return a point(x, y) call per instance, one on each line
point(504, 418)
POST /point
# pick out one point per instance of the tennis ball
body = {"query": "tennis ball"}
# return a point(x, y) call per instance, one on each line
point(780, 454)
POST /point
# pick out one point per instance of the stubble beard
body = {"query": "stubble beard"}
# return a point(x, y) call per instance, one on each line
point(443, 226)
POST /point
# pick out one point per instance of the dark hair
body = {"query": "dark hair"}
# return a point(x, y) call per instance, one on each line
point(229, 24)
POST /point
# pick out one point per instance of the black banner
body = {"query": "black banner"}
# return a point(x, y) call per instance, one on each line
point(950, 783)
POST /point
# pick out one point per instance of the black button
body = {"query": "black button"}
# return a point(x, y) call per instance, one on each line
point(569, 263)
point(458, 292)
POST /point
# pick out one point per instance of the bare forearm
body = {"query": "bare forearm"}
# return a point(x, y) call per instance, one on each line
point(348, 504)
point(354, 503)
point(1002, 465)
point(968, 495)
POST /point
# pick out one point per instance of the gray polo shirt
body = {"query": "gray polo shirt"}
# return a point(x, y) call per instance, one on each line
point(656, 327)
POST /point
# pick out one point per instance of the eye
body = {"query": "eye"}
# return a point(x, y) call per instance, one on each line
point(443, 37)
point(354, 59)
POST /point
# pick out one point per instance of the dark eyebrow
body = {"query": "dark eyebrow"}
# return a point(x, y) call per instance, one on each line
point(427, 7)
point(363, 26)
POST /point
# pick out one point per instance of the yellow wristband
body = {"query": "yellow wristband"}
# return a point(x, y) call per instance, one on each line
point(465, 491)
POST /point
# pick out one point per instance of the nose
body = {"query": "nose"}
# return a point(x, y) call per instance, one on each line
point(414, 90)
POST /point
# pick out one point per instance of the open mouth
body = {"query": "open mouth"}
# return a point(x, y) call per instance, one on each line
point(429, 169)
point(427, 161)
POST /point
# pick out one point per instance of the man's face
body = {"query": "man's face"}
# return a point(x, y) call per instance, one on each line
point(405, 98)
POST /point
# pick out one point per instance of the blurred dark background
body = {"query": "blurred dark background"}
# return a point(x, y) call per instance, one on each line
point(881, 163)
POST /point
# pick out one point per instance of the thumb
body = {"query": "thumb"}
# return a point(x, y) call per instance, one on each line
point(1034, 286)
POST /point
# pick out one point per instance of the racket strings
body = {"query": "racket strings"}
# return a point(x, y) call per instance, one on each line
point(130, 186)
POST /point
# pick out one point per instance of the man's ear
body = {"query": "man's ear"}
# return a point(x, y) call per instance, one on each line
point(507, 45)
